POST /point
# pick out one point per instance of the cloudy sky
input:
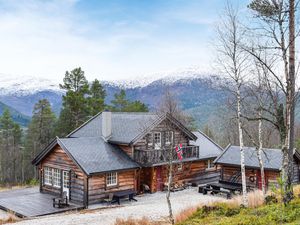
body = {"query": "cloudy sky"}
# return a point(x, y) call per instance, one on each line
point(108, 39)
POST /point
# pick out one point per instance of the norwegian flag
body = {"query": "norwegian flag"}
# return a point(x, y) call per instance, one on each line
point(179, 151)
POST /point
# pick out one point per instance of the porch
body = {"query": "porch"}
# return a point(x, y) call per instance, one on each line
point(158, 156)
point(29, 202)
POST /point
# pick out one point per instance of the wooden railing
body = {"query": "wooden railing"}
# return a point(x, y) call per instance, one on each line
point(156, 156)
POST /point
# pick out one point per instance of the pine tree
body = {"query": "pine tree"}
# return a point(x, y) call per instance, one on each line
point(75, 108)
point(96, 98)
point(121, 104)
point(10, 145)
point(40, 133)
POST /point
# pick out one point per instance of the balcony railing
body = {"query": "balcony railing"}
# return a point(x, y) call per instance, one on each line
point(157, 156)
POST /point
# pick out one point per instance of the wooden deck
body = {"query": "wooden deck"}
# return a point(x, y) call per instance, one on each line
point(29, 202)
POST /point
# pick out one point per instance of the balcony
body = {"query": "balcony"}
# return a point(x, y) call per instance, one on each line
point(159, 156)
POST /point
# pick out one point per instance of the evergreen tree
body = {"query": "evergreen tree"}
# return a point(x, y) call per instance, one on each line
point(10, 145)
point(40, 133)
point(75, 108)
point(96, 98)
point(136, 106)
point(121, 104)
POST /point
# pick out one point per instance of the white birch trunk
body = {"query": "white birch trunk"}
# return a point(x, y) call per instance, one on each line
point(259, 154)
point(170, 178)
point(243, 170)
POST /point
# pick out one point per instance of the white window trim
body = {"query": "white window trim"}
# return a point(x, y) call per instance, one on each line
point(157, 145)
point(170, 137)
point(49, 175)
point(116, 180)
point(180, 167)
point(56, 178)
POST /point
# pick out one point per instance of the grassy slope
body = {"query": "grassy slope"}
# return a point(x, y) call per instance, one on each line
point(222, 214)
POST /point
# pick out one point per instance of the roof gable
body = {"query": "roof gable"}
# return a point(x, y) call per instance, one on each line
point(208, 148)
point(231, 156)
point(91, 155)
point(127, 128)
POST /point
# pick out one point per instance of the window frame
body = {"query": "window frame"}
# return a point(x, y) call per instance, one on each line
point(109, 179)
point(52, 177)
point(180, 167)
point(209, 164)
point(170, 136)
point(47, 176)
point(157, 145)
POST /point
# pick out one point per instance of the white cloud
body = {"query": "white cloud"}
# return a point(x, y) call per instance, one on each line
point(47, 38)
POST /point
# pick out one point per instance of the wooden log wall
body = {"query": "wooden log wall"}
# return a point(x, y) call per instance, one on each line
point(98, 189)
point(178, 136)
point(271, 176)
point(60, 160)
point(189, 171)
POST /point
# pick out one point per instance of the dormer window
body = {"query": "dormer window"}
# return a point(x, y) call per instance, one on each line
point(169, 137)
point(157, 140)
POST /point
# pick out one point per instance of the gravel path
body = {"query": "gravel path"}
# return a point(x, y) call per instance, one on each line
point(153, 206)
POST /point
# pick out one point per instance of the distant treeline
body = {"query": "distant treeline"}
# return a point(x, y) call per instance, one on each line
point(82, 101)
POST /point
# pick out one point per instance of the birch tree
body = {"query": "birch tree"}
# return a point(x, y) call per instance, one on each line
point(277, 27)
point(232, 60)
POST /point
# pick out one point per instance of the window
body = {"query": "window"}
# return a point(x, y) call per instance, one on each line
point(179, 168)
point(66, 179)
point(47, 175)
point(150, 139)
point(157, 140)
point(209, 164)
point(169, 137)
point(56, 177)
point(111, 179)
point(52, 176)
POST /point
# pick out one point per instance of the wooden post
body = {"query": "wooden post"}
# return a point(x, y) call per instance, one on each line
point(61, 182)
point(40, 168)
point(86, 192)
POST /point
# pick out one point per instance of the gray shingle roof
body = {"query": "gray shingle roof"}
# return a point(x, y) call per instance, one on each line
point(208, 148)
point(232, 156)
point(125, 126)
point(94, 155)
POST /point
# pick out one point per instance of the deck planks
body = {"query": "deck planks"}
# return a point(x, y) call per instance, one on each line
point(29, 202)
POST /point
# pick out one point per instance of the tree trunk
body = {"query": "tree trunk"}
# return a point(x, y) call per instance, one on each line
point(243, 170)
point(170, 178)
point(259, 152)
point(290, 109)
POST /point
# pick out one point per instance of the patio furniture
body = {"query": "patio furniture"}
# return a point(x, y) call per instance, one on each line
point(123, 194)
point(110, 198)
point(62, 201)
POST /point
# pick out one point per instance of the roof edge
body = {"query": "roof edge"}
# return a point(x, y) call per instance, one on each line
point(222, 149)
point(225, 150)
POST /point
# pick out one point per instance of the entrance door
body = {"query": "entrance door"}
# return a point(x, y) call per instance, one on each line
point(159, 181)
point(66, 182)
point(258, 178)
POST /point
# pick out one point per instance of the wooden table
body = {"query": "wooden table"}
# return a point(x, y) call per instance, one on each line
point(123, 194)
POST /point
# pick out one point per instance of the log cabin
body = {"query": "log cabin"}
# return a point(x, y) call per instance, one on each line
point(230, 164)
point(116, 151)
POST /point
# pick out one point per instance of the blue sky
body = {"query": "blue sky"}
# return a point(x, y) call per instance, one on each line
point(113, 39)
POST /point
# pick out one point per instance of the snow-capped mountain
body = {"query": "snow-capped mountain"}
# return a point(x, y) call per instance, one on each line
point(25, 85)
point(198, 93)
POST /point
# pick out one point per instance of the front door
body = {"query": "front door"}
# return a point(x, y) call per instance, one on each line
point(66, 182)
point(159, 181)
point(258, 178)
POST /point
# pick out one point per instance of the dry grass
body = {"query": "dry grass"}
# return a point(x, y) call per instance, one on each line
point(142, 221)
point(11, 218)
point(185, 214)
point(297, 191)
point(255, 199)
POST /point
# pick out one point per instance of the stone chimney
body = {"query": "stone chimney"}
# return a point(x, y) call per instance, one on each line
point(106, 125)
